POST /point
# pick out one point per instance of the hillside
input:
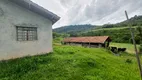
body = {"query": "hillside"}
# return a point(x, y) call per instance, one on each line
point(71, 63)
point(118, 32)
point(135, 21)
point(74, 29)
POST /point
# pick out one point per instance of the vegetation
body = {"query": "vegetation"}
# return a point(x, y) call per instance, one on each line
point(71, 63)
point(78, 63)
point(73, 30)
point(135, 21)
point(140, 48)
point(57, 35)
point(57, 38)
point(118, 32)
point(118, 35)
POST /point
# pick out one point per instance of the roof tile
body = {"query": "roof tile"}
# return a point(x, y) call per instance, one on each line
point(94, 39)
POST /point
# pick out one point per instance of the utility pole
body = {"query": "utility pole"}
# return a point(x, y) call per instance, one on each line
point(134, 42)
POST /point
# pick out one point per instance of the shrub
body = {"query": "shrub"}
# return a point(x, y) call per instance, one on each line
point(128, 61)
point(71, 52)
point(140, 49)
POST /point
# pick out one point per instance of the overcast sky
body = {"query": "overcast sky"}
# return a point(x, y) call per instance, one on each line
point(95, 12)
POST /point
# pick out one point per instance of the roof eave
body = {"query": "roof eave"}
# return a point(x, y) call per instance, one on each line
point(37, 9)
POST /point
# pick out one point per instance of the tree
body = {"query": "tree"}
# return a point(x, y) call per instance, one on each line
point(140, 48)
point(140, 36)
point(139, 29)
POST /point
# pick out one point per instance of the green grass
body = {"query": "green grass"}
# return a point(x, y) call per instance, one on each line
point(71, 63)
point(130, 47)
point(115, 28)
point(111, 28)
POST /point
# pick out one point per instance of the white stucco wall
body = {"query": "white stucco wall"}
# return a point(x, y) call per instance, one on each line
point(15, 15)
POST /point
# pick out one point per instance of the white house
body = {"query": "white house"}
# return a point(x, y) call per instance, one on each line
point(25, 29)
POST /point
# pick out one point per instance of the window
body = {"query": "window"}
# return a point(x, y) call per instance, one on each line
point(26, 33)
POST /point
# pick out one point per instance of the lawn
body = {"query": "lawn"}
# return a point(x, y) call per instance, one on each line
point(130, 47)
point(71, 63)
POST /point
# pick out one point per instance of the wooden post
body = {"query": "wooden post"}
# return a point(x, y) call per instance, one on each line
point(134, 42)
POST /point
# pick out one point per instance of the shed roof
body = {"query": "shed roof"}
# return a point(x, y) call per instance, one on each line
point(28, 4)
point(94, 39)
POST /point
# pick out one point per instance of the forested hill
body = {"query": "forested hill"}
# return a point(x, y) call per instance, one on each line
point(118, 32)
point(135, 21)
point(74, 28)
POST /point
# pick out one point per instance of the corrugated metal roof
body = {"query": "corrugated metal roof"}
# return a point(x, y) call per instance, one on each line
point(94, 39)
point(28, 4)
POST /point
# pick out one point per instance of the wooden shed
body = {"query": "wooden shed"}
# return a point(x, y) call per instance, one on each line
point(94, 41)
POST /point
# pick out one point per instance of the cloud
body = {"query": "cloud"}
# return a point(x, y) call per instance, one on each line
point(91, 11)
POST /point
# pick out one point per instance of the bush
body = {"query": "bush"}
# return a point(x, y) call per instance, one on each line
point(140, 49)
point(128, 61)
point(71, 52)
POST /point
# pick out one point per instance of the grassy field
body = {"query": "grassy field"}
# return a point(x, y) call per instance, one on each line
point(130, 47)
point(115, 28)
point(71, 63)
point(111, 28)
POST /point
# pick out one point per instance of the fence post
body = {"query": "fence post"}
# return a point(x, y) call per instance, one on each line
point(134, 42)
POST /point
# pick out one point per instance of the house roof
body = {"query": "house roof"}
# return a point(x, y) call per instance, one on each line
point(94, 39)
point(28, 4)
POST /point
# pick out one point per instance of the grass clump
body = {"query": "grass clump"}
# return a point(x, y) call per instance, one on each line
point(128, 61)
